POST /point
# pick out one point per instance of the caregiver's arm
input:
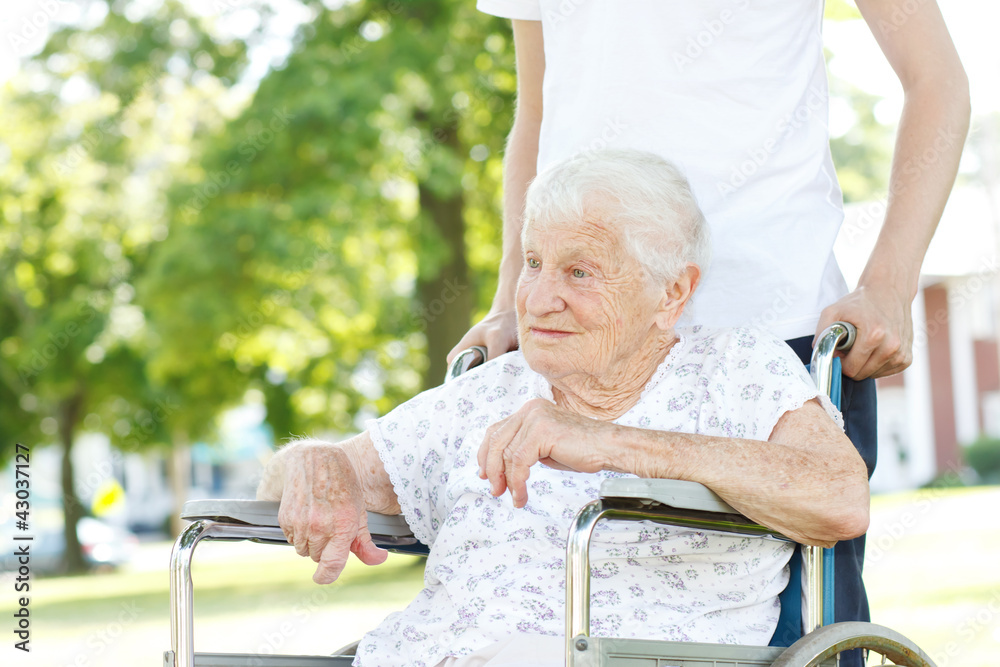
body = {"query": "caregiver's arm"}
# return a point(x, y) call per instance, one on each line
point(929, 141)
point(806, 481)
point(325, 490)
point(497, 332)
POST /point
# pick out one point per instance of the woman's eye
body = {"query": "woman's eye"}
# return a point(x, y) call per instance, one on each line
point(579, 273)
point(533, 263)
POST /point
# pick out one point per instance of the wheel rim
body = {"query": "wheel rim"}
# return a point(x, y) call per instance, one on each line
point(830, 640)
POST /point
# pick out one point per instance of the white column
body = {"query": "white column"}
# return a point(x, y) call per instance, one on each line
point(919, 405)
point(963, 366)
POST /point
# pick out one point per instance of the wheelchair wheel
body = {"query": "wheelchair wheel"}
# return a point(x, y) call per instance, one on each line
point(350, 649)
point(830, 640)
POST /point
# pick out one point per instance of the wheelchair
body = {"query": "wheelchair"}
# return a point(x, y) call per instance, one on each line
point(807, 603)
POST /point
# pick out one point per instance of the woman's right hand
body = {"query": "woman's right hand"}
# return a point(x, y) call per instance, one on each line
point(322, 511)
point(497, 332)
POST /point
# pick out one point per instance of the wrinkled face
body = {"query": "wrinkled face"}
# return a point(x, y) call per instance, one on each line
point(584, 306)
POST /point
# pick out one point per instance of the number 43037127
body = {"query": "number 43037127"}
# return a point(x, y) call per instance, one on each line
point(23, 483)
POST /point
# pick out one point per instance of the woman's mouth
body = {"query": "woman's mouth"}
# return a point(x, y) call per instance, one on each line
point(549, 333)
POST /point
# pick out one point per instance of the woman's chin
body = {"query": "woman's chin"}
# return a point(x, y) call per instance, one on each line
point(546, 361)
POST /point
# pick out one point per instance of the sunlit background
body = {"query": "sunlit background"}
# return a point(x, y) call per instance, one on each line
point(223, 222)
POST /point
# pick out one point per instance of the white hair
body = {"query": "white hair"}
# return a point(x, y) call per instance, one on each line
point(650, 199)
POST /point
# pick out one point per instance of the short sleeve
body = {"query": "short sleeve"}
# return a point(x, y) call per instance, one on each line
point(410, 440)
point(765, 380)
point(528, 10)
point(782, 362)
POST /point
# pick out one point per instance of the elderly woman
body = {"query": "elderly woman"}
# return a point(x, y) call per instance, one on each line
point(603, 386)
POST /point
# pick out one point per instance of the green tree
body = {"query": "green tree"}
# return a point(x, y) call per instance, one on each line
point(336, 235)
point(862, 155)
point(90, 124)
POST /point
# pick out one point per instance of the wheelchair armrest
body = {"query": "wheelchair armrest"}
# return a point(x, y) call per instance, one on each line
point(250, 512)
point(679, 503)
point(385, 530)
point(671, 492)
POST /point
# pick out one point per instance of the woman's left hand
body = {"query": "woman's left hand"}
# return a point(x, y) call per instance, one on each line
point(541, 432)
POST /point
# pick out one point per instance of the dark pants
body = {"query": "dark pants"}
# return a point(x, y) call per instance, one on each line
point(857, 403)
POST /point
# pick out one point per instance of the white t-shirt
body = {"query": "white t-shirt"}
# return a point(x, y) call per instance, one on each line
point(735, 93)
point(495, 571)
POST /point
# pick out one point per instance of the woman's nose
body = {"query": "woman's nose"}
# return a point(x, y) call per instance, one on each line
point(544, 295)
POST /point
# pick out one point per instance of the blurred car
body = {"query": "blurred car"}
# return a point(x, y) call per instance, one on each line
point(104, 546)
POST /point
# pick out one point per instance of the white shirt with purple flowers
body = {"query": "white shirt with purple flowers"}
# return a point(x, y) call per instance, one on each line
point(494, 570)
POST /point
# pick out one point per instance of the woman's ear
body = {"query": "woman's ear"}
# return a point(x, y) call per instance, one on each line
point(676, 297)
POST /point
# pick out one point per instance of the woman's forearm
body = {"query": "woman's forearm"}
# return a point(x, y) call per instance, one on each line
point(375, 483)
point(807, 481)
point(929, 142)
point(813, 489)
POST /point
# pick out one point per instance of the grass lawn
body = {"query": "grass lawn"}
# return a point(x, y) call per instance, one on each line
point(225, 587)
point(931, 573)
point(248, 598)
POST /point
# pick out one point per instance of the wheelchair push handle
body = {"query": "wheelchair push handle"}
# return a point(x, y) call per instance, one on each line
point(845, 332)
point(838, 337)
point(465, 360)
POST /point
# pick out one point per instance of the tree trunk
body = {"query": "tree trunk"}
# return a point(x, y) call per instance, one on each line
point(179, 477)
point(443, 283)
point(69, 414)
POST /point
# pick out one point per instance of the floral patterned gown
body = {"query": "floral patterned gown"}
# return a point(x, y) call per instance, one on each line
point(494, 570)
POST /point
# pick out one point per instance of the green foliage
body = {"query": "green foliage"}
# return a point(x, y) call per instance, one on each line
point(84, 155)
point(300, 238)
point(89, 122)
point(983, 456)
point(864, 154)
point(90, 125)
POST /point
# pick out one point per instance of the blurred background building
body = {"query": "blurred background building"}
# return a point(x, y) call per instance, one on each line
point(950, 396)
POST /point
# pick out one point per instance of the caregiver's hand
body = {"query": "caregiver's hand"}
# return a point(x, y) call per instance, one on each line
point(497, 332)
point(883, 317)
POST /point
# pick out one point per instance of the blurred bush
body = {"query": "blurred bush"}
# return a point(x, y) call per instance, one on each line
point(983, 456)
